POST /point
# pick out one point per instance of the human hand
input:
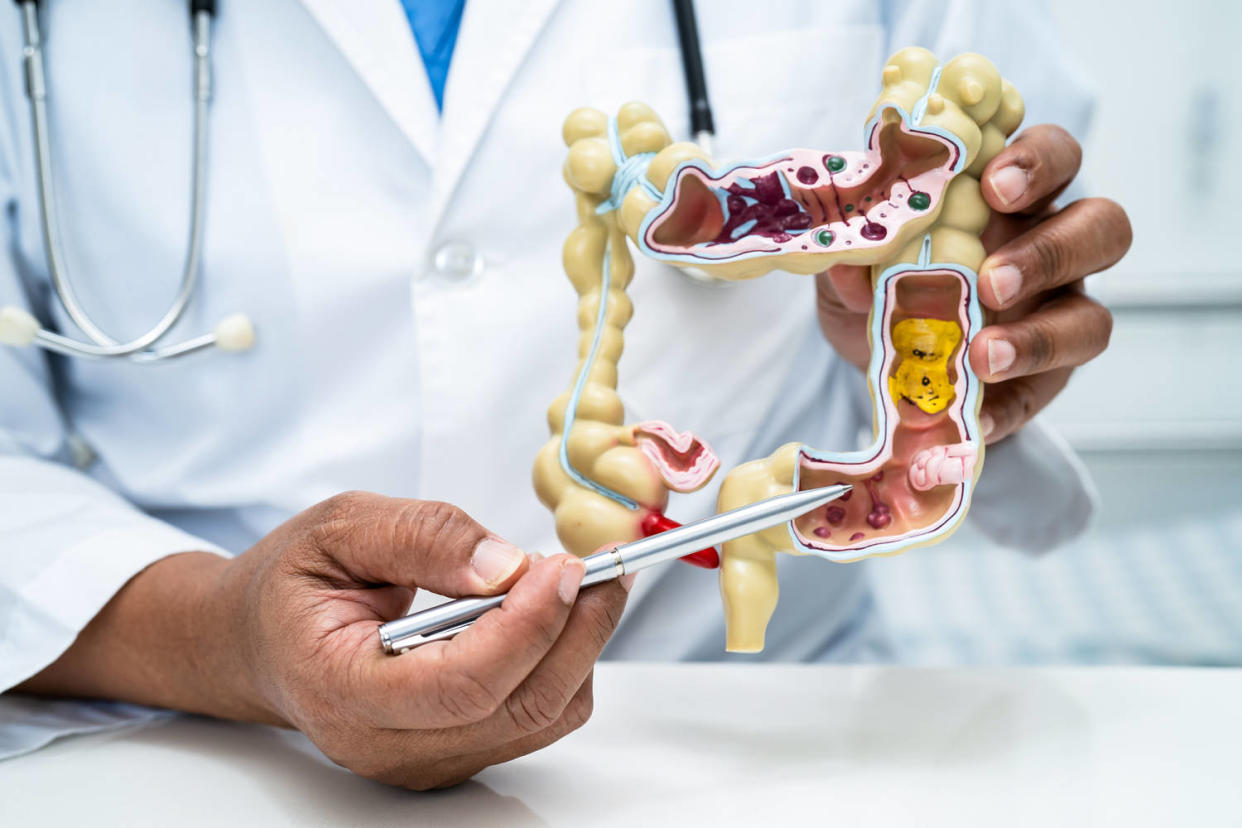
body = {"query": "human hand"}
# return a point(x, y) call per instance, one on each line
point(1041, 324)
point(286, 634)
point(311, 595)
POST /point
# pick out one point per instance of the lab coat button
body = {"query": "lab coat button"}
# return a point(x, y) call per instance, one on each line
point(457, 260)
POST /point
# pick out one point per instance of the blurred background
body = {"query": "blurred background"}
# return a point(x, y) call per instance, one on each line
point(1158, 418)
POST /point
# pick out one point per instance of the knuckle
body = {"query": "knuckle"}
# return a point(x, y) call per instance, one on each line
point(464, 696)
point(1067, 142)
point(1106, 231)
point(606, 615)
point(1102, 326)
point(1041, 345)
point(1050, 254)
point(1115, 217)
point(1047, 148)
point(1024, 403)
point(545, 631)
point(331, 521)
point(579, 710)
point(537, 707)
point(341, 506)
point(1106, 323)
point(435, 522)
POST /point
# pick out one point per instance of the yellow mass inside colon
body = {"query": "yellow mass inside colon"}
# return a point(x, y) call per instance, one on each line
point(924, 347)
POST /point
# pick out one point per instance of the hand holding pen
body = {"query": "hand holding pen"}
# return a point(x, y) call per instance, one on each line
point(286, 634)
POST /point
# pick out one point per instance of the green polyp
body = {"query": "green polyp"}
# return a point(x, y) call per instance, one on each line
point(849, 208)
point(919, 201)
point(824, 237)
point(836, 163)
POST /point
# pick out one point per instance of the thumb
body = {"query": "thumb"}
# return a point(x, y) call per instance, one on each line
point(413, 543)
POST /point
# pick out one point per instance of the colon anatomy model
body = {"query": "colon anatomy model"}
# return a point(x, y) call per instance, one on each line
point(908, 205)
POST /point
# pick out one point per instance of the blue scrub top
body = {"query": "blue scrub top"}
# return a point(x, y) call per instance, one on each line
point(435, 24)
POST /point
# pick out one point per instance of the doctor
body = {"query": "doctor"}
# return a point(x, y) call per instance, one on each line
point(396, 243)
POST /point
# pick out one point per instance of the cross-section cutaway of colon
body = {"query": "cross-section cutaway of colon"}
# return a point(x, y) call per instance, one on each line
point(908, 205)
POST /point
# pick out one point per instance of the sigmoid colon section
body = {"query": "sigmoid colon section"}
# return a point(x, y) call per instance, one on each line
point(911, 482)
point(807, 201)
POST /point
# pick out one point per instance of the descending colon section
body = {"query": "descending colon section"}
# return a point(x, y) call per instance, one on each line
point(913, 480)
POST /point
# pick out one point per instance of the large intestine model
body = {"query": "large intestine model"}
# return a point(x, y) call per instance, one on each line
point(908, 205)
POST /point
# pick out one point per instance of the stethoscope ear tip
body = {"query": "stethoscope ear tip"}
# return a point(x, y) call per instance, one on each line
point(235, 333)
point(17, 326)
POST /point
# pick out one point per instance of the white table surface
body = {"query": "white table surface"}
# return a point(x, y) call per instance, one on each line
point(721, 745)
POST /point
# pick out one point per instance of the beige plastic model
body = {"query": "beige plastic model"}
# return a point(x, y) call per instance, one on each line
point(909, 206)
point(600, 477)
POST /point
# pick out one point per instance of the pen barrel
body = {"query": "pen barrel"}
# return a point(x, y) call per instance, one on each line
point(724, 527)
point(448, 619)
point(443, 621)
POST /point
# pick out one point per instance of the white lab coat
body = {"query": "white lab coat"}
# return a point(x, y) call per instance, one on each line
point(333, 185)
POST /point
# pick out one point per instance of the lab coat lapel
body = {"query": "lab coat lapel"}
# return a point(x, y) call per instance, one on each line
point(494, 38)
point(375, 37)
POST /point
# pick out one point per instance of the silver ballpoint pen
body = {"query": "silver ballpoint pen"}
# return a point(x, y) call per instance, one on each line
point(448, 619)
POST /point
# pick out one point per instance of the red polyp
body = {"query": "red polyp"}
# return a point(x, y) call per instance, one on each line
point(881, 513)
point(772, 214)
point(654, 523)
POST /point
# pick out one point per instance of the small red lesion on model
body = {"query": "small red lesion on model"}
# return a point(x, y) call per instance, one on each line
point(653, 523)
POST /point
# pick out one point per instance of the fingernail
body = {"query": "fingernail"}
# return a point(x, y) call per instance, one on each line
point(495, 560)
point(1001, 355)
point(627, 581)
point(1010, 183)
point(571, 578)
point(1006, 281)
point(987, 425)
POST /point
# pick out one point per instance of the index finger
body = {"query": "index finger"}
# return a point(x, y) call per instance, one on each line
point(1034, 169)
point(468, 678)
point(410, 543)
point(849, 285)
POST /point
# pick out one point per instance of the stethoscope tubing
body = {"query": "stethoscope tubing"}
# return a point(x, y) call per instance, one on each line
point(235, 332)
point(103, 345)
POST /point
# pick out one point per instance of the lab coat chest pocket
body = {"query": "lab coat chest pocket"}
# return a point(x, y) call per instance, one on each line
point(728, 347)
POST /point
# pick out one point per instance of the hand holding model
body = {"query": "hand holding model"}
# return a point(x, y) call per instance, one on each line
point(285, 635)
point(898, 233)
point(1043, 323)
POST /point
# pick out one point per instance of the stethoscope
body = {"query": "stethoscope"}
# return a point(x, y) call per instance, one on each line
point(19, 327)
point(235, 332)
